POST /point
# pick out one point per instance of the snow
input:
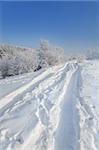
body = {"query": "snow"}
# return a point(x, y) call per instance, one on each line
point(89, 106)
point(53, 109)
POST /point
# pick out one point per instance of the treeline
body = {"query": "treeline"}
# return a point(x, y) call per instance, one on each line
point(15, 60)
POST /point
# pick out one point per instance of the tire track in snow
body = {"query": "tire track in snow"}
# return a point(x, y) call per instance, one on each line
point(66, 137)
point(46, 138)
point(53, 80)
point(10, 98)
point(4, 101)
point(45, 131)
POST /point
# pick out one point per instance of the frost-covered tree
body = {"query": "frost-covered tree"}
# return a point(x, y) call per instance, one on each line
point(44, 44)
point(92, 54)
point(50, 55)
point(4, 67)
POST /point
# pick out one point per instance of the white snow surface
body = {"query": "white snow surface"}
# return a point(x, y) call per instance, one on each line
point(53, 109)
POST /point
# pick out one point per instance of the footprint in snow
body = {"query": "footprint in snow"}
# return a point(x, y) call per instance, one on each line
point(43, 116)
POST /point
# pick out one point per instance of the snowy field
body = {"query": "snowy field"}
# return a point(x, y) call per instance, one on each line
point(53, 109)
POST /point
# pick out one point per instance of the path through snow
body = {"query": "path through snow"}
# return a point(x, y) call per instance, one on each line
point(56, 109)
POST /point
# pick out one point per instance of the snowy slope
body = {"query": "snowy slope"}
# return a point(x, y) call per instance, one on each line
point(54, 109)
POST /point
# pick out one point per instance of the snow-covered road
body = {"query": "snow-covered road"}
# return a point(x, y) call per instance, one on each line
point(56, 109)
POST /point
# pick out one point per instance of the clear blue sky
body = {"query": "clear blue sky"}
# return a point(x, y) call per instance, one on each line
point(72, 25)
